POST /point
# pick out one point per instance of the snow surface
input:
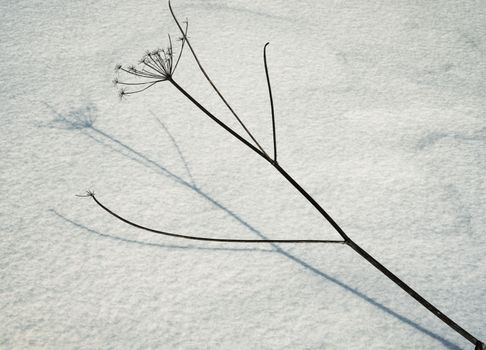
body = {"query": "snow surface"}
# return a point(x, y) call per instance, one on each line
point(381, 116)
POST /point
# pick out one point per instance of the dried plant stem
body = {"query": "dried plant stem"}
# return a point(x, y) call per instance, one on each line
point(219, 122)
point(271, 103)
point(157, 66)
point(479, 345)
point(186, 39)
point(210, 239)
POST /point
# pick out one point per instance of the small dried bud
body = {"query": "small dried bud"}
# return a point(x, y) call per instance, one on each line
point(121, 93)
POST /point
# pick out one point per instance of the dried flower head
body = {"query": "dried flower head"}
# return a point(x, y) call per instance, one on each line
point(154, 67)
point(121, 93)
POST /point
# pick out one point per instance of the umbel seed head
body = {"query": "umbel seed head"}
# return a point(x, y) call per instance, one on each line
point(154, 67)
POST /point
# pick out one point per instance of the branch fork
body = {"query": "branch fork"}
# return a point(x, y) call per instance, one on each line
point(160, 65)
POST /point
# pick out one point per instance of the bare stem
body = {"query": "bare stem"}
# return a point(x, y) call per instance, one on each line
point(220, 123)
point(348, 241)
point(210, 239)
point(182, 46)
point(271, 103)
point(212, 84)
point(261, 152)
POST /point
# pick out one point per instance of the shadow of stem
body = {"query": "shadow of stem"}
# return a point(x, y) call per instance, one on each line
point(150, 244)
point(83, 120)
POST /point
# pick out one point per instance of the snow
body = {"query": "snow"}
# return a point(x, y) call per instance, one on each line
point(380, 110)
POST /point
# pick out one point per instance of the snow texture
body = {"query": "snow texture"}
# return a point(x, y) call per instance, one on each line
point(381, 116)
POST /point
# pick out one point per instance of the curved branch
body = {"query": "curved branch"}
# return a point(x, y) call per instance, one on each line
point(210, 239)
point(271, 103)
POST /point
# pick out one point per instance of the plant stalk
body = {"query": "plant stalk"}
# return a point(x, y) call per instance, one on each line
point(478, 344)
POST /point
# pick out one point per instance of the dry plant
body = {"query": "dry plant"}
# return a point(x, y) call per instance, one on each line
point(159, 66)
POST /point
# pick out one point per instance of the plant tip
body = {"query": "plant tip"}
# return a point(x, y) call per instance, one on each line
point(88, 193)
point(121, 93)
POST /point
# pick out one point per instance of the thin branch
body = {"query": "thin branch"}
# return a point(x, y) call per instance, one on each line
point(271, 103)
point(219, 122)
point(122, 83)
point(158, 63)
point(212, 84)
point(182, 47)
point(171, 54)
point(137, 91)
point(207, 239)
point(139, 73)
point(154, 65)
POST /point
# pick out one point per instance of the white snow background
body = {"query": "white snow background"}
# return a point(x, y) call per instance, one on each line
point(381, 116)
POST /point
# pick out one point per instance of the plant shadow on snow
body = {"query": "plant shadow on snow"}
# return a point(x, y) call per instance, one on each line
point(151, 244)
point(83, 120)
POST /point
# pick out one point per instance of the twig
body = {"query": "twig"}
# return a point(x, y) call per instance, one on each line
point(271, 103)
point(219, 122)
point(212, 84)
point(208, 239)
point(182, 46)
